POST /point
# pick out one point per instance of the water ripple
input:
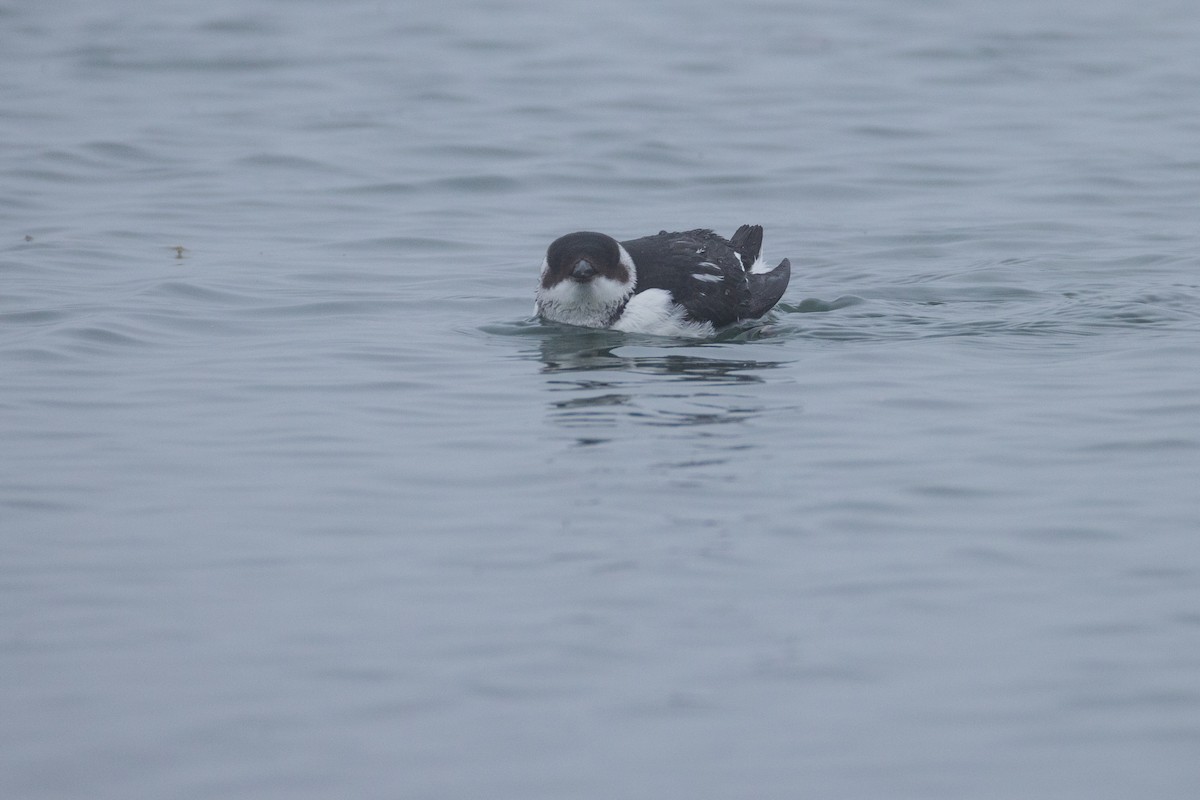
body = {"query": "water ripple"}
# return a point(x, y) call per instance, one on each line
point(320, 481)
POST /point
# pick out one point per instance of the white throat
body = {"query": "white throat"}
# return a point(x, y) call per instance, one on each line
point(594, 304)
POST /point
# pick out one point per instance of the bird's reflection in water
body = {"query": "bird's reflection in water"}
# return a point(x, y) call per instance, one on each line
point(600, 381)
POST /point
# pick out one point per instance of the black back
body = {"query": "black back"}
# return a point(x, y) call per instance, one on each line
point(669, 261)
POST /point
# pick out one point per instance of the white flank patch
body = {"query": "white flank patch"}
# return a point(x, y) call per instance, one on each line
point(759, 266)
point(654, 312)
point(706, 277)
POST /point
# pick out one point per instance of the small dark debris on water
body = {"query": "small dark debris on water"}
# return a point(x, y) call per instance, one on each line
point(28, 238)
point(179, 250)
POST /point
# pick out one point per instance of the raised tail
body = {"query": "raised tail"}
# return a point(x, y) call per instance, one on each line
point(747, 241)
point(767, 287)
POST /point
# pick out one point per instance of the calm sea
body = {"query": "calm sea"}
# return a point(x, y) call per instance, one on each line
point(297, 501)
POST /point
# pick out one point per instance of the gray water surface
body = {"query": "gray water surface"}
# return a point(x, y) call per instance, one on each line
point(297, 501)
